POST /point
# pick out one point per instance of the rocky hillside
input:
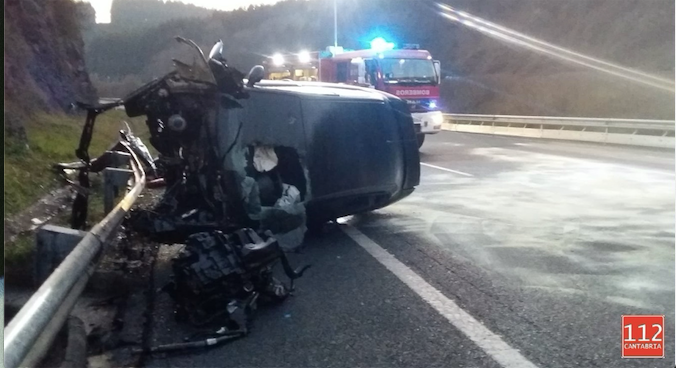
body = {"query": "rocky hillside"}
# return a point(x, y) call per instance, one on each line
point(44, 59)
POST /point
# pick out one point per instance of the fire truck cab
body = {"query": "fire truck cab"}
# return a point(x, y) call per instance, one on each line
point(409, 73)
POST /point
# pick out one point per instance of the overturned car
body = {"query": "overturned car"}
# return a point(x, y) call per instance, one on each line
point(249, 165)
point(271, 155)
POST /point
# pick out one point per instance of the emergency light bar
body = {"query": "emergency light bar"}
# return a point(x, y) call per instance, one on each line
point(379, 44)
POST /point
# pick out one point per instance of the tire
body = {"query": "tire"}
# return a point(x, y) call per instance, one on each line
point(421, 140)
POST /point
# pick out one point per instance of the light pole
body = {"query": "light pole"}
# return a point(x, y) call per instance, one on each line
point(335, 23)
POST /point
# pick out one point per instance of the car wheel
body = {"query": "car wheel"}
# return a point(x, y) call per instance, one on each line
point(421, 140)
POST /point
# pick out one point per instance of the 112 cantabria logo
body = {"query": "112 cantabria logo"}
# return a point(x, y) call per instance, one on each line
point(642, 336)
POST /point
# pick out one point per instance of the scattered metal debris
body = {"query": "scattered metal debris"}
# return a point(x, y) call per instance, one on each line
point(212, 341)
point(226, 267)
point(139, 148)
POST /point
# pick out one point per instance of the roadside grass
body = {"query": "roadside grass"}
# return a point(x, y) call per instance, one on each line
point(51, 139)
point(29, 174)
point(95, 210)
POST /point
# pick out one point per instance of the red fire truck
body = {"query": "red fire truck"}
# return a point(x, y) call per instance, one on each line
point(408, 72)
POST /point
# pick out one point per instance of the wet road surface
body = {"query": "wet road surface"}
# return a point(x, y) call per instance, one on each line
point(511, 253)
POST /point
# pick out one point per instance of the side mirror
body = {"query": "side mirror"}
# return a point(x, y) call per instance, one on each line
point(217, 51)
point(255, 75)
point(437, 68)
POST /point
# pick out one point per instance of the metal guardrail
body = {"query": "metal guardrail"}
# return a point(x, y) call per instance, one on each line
point(109, 100)
point(30, 333)
point(648, 133)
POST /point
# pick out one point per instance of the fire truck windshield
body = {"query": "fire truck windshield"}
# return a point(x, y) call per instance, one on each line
point(417, 71)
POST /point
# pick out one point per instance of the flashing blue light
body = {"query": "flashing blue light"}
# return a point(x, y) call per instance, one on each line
point(379, 44)
point(433, 104)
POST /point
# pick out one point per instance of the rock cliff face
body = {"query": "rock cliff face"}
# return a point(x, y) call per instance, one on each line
point(44, 59)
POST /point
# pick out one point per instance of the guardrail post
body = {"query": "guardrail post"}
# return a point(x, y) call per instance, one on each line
point(110, 159)
point(52, 245)
point(113, 179)
point(119, 158)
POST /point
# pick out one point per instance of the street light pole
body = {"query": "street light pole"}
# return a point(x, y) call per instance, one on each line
point(335, 23)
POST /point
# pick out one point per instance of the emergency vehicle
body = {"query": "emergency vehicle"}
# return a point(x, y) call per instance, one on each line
point(408, 73)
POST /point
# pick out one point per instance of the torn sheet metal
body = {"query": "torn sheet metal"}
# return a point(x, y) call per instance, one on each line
point(220, 159)
point(139, 148)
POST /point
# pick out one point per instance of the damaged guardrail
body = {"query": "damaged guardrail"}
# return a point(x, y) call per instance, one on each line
point(633, 132)
point(31, 332)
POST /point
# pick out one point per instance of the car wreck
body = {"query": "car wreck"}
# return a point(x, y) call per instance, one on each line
point(249, 166)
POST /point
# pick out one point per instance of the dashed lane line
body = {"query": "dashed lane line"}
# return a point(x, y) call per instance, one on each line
point(445, 169)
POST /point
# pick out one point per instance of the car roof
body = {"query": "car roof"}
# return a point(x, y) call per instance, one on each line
point(322, 89)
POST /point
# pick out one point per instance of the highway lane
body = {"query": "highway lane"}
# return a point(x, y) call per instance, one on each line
point(546, 244)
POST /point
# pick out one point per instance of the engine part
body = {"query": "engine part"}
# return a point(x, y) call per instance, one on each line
point(219, 278)
point(177, 123)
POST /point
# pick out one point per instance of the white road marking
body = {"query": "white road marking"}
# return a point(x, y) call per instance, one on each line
point(445, 169)
point(439, 183)
point(489, 342)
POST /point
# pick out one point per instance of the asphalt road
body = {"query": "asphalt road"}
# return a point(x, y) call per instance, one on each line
point(511, 253)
